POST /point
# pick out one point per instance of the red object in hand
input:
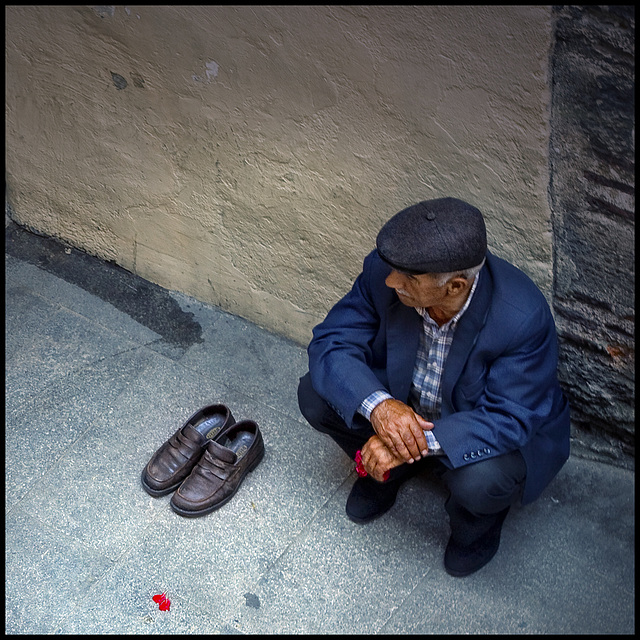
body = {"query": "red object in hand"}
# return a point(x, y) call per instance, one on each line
point(164, 603)
point(362, 472)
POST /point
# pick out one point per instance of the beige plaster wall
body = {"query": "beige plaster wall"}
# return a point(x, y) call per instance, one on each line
point(255, 151)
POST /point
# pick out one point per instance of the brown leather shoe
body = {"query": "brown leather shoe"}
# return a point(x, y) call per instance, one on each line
point(175, 459)
point(220, 471)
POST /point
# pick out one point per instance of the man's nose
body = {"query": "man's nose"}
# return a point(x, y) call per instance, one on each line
point(395, 280)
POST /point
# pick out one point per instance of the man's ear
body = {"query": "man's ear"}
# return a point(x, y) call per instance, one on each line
point(457, 285)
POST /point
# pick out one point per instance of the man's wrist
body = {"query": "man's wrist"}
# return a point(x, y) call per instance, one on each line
point(372, 401)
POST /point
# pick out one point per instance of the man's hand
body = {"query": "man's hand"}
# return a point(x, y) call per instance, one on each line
point(401, 429)
point(377, 459)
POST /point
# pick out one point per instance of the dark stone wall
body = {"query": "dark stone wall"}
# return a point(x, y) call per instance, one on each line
point(592, 202)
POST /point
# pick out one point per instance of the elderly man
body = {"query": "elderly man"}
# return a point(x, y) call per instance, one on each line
point(441, 355)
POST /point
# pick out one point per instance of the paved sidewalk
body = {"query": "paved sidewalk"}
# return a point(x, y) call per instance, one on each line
point(102, 367)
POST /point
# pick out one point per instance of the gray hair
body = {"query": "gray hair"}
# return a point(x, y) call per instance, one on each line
point(468, 274)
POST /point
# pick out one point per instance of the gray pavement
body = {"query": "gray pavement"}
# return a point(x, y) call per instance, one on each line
point(102, 367)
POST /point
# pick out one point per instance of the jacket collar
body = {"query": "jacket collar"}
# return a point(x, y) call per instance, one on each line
point(468, 330)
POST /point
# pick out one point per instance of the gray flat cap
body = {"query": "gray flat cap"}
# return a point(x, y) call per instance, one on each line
point(434, 236)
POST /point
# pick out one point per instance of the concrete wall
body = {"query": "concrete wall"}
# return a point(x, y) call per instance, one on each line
point(248, 155)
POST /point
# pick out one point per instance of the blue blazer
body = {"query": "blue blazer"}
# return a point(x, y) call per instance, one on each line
point(500, 390)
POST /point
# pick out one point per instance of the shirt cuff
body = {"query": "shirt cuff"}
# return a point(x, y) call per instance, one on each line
point(371, 402)
point(434, 446)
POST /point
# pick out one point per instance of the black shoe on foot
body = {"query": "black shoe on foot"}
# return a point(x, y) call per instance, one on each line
point(460, 561)
point(369, 499)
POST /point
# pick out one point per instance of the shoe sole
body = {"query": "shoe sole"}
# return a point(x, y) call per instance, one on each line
point(203, 512)
point(369, 519)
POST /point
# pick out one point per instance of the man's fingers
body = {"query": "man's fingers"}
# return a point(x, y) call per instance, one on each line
point(414, 441)
point(395, 443)
point(401, 429)
point(378, 459)
point(373, 466)
point(370, 462)
point(374, 470)
point(421, 439)
point(405, 445)
point(424, 424)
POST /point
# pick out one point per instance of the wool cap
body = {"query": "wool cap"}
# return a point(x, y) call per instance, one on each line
point(434, 236)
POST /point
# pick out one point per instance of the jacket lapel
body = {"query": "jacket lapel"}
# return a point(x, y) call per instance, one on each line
point(403, 334)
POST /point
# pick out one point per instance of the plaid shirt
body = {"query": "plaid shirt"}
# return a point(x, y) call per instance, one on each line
point(425, 396)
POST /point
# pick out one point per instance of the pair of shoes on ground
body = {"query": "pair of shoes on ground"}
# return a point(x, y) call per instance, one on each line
point(370, 499)
point(205, 461)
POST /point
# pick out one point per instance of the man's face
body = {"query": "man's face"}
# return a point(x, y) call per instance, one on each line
point(416, 291)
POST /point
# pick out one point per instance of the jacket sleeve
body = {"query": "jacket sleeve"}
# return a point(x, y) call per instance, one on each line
point(513, 400)
point(341, 356)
